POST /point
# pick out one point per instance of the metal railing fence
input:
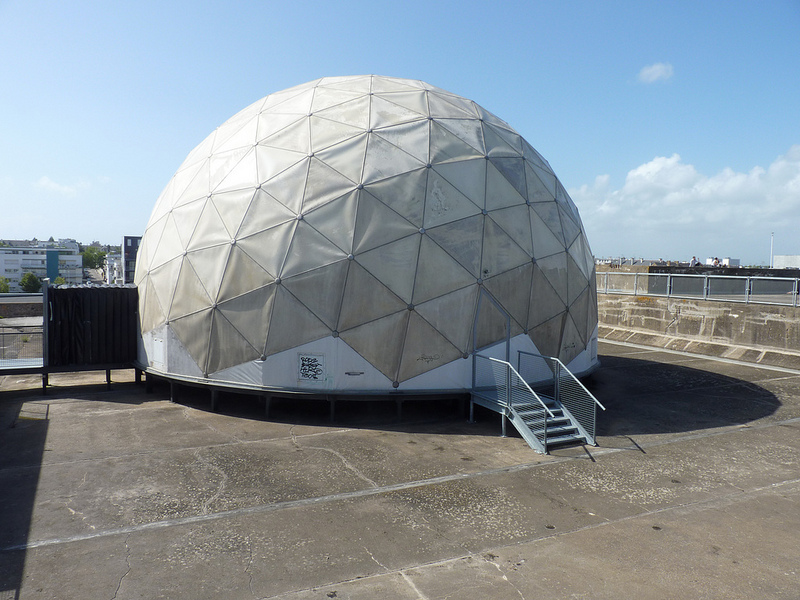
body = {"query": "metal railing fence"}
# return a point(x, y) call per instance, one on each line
point(21, 346)
point(512, 392)
point(724, 288)
point(549, 374)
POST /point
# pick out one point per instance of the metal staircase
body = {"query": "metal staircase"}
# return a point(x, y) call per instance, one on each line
point(541, 398)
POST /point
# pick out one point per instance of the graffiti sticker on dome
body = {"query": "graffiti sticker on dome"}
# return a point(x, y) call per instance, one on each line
point(311, 367)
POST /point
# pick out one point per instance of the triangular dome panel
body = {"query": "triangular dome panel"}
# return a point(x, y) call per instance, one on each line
point(424, 349)
point(209, 231)
point(277, 239)
point(323, 185)
point(452, 315)
point(169, 245)
point(227, 346)
point(194, 331)
point(365, 299)
point(444, 203)
point(545, 302)
point(516, 223)
point(394, 264)
point(411, 138)
point(512, 290)
point(209, 266)
point(190, 295)
point(384, 160)
point(321, 291)
point(242, 274)
point(380, 342)
point(500, 253)
point(463, 240)
point(377, 224)
point(446, 146)
point(437, 273)
point(468, 177)
point(547, 335)
point(346, 157)
point(404, 194)
point(309, 249)
point(232, 207)
point(336, 220)
point(384, 113)
point(292, 324)
point(250, 315)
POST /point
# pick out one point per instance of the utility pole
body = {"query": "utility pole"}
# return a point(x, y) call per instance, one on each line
point(771, 246)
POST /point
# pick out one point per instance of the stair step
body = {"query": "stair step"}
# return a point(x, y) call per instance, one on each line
point(538, 412)
point(566, 429)
point(562, 430)
point(565, 439)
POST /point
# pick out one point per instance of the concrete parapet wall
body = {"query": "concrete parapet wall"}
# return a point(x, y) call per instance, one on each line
point(760, 333)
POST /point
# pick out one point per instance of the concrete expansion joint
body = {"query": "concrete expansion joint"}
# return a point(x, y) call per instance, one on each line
point(413, 586)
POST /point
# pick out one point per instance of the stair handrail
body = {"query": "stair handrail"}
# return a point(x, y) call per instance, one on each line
point(510, 369)
point(578, 381)
point(564, 368)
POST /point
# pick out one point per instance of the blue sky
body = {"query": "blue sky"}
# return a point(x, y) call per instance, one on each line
point(675, 126)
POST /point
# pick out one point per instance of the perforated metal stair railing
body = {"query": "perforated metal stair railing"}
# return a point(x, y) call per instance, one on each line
point(551, 377)
point(556, 410)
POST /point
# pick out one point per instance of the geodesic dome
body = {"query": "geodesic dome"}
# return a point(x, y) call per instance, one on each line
point(341, 235)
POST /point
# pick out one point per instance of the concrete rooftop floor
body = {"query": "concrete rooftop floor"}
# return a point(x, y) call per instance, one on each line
point(693, 492)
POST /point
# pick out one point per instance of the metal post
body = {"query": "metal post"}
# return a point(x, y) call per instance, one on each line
point(795, 291)
point(557, 383)
point(508, 386)
point(45, 333)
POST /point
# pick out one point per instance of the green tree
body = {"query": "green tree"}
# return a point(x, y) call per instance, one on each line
point(59, 280)
point(30, 283)
point(4, 287)
point(93, 258)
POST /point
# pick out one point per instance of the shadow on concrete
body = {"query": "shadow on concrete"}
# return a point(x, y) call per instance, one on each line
point(23, 431)
point(445, 414)
point(24, 423)
point(640, 396)
point(644, 397)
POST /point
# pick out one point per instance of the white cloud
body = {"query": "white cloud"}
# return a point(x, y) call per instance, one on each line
point(656, 72)
point(668, 209)
point(68, 191)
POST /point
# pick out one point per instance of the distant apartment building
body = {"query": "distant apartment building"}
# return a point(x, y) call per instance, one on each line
point(113, 268)
point(130, 249)
point(120, 267)
point(44, 259)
